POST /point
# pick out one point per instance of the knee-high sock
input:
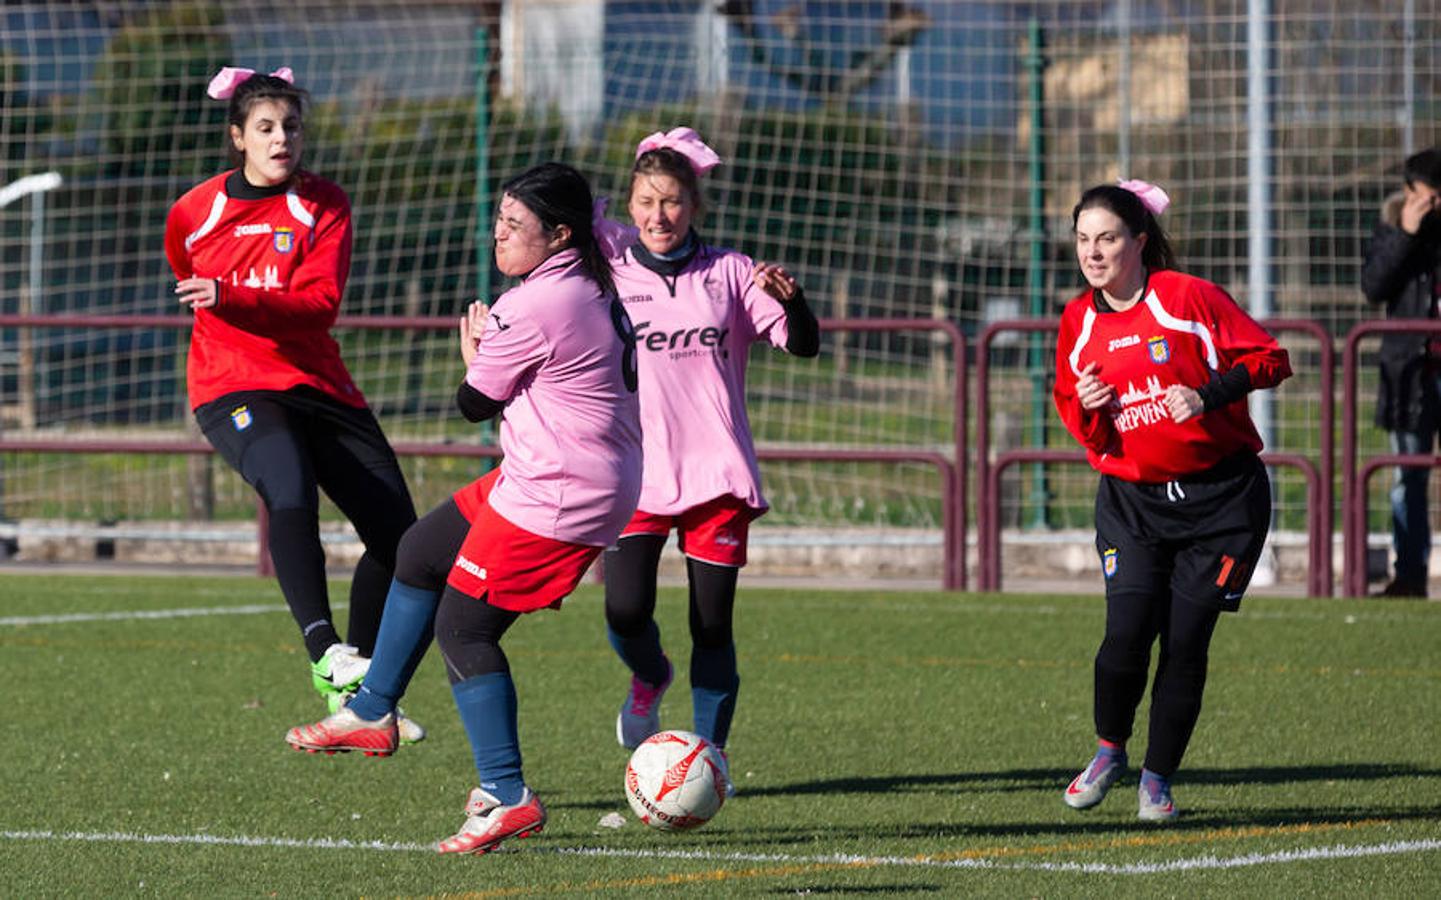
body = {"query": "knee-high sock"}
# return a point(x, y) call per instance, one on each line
point(405, 632)
point(714, 685)
point(487, 710)
point(642, 653)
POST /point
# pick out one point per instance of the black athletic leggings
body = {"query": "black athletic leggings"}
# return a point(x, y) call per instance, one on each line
point(467, 629)
point(289, 445)
point(630, 592)
point(1134, 620)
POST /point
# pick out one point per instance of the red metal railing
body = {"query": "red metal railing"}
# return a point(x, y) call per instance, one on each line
point(1316, 585)
point(953, 473)
point(1354, 483)
point(1319, 513)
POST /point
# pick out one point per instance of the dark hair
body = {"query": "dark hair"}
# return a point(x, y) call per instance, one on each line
point(1127, 207)
point(665, 161)
point(256, 89)
point(1424, 167)
point(559, 195)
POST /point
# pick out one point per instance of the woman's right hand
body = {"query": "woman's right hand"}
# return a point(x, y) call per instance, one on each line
point(472, 328)
point(1092, 391)
point(198, 293)
point(1420, 202)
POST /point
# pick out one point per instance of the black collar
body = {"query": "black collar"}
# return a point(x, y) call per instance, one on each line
point(237, 187)
point(667, 268)
point(1101, 306)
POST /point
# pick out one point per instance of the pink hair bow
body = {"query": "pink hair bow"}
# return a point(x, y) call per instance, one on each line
point(685, 142)
point(229, 78)
point(1151, 197)
point(612, 237)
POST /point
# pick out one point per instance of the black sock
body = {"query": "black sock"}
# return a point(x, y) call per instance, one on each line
point(368, 589)
point(300, 567)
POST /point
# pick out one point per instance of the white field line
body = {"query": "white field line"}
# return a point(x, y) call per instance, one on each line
point(139, 614)
point(126, 837)
point(1308, 854)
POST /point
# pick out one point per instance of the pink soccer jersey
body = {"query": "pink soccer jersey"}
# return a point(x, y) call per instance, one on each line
point(693, 334)
point(571, 428)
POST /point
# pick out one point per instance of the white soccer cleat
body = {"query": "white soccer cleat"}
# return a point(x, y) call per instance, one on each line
point(409, 729)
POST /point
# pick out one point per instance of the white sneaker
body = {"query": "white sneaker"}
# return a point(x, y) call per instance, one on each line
point(340, 670)
point(1156, 806)
point(1090, 787)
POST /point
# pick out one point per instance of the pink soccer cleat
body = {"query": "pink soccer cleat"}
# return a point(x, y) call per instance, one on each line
point(639, 716)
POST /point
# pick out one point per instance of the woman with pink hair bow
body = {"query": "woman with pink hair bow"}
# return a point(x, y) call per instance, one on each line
point(697, 309)
point(1152, 371)
point(261, 254)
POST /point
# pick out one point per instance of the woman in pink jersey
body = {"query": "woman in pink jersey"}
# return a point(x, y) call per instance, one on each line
point(697, 309)
point(555, 358)
point(1152, 370)
point(261, 254)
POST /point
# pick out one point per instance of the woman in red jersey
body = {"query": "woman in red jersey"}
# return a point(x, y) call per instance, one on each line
point(1152, 370)
point(261, 253)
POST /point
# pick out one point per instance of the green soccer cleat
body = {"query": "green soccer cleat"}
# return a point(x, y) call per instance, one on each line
point(338, 672)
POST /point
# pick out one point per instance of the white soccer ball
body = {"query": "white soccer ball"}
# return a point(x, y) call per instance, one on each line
point(675, 781)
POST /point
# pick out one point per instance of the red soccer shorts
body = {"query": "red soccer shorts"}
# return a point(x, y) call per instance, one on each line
point(715, 532)
point(508, 566)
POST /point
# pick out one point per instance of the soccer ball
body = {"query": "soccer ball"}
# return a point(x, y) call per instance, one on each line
point(674, 781)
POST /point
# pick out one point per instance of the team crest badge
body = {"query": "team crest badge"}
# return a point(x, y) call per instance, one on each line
point(241, 418)
point(1160, 350)
point(284, 239)
point(1109, 561)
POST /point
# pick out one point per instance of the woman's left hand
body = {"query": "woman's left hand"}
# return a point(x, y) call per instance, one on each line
point(1182, 403)
point(775, 280)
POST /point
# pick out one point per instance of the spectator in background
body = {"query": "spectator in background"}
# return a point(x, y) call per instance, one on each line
point(1400, 272)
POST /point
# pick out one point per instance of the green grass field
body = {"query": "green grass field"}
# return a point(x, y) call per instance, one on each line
point(886, 744)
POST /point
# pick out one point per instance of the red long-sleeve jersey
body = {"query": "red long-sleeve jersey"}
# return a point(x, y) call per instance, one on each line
point(282, 262)
point(1185, 331)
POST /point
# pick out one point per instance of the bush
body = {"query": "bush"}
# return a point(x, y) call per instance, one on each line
point(151, 85)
